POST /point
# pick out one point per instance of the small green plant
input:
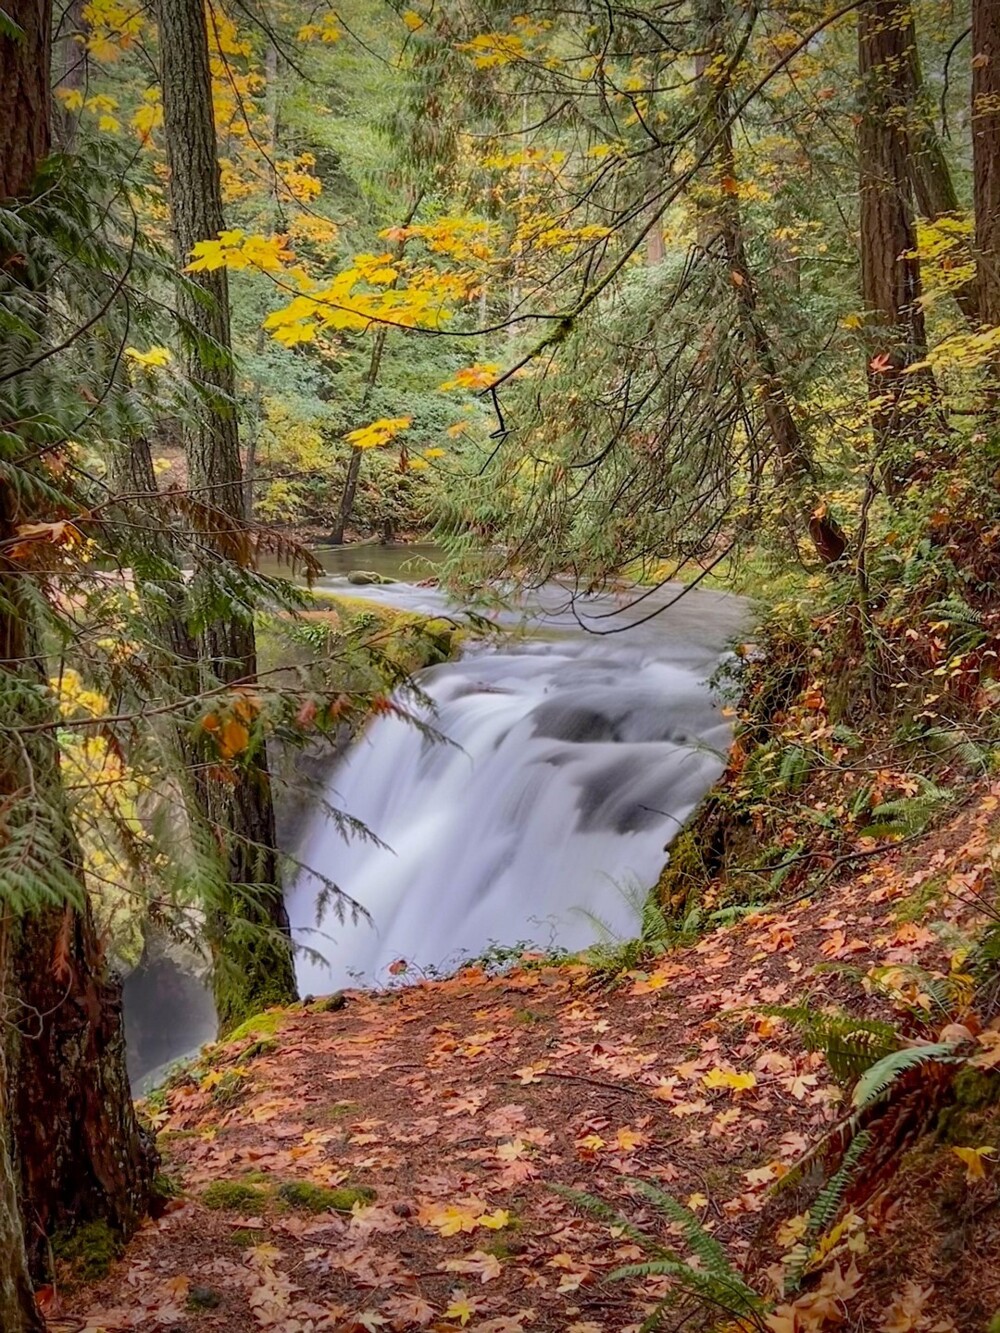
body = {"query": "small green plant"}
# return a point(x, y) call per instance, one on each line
point(908, 815)
point(615, 954)
point(230, 1088)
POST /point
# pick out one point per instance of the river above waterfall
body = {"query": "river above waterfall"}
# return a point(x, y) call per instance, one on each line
point(572, 752)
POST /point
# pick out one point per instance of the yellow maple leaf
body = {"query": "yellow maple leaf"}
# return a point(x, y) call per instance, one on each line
point(324, 31)
point(627, 1139)
point(233, 738)
point(235, 250)
point(477, 376)
point(729, 1078)
point(378, 433)
point(461, 1308)
point(975, 1159)
point(591, 1143)
point(156, 356)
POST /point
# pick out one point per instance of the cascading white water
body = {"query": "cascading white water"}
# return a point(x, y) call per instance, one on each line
point(570, 764)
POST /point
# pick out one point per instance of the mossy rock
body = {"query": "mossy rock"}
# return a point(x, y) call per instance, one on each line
point(321, 1199)
point(224, 1195)
point(331, 1004)
point(266, 1024)
point(89, 1251)
point(265, 1046)
point(203, 1298)
point(361, 577)
point(974, 1113)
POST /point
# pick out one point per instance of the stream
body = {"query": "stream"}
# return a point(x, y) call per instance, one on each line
point(571, 758)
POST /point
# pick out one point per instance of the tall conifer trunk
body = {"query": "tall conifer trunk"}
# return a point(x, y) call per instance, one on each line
point(721, 226)
point(890, 269)
point(986, 154)
point(930, 174)
point(65, 1105)
point(249, 932)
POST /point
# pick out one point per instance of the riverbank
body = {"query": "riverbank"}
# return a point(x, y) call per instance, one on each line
point(441, 1117)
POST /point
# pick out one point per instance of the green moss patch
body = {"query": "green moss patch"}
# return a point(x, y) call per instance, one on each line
point(319, 1199)
point(246, 1239)
point(265, 1024)
point(89, 1251)
point(233, 1194)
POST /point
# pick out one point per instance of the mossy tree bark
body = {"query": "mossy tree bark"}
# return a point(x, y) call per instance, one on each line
point(986, 154)
point(79, 1152)
point(930, 175)
point(250, 932)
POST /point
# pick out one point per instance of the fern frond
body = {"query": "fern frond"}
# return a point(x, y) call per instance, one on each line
point(824, 1211)
point(877, 1081)
point(729, 1293)
point(850, 1045)
point(592, 1204)
point(700, 1242)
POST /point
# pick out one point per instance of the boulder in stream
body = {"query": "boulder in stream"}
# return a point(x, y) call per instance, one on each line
point(362, 577)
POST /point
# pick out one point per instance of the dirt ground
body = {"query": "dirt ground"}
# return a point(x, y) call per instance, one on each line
point(454, 1108)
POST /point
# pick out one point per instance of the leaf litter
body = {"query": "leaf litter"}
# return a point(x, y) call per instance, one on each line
point(446, 1111)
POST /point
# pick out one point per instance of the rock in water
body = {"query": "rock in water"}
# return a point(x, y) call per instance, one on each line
point(363, 577)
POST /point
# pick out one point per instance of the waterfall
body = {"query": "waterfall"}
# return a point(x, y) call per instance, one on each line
point(568, 765)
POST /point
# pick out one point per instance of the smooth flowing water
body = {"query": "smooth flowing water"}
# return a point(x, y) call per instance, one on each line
point(572, 757)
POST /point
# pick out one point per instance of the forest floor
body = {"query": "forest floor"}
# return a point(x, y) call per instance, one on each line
point(452, 1108)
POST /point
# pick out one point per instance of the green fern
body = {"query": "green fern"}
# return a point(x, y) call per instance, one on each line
point(850, 1045)
point(876, 1082)
point(828, 1203)
point(908, 815)
point(708, 1276)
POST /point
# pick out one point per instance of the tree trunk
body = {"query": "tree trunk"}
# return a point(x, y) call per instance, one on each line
point(986, 154)
point(75, 74)
point(890, 270)
point(18, 1313)
point(25, 95)
point(250, 932)
point(930, 174)
point(721, 225)
point(78, 1152)
point(347, 497)
point(371, 379)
